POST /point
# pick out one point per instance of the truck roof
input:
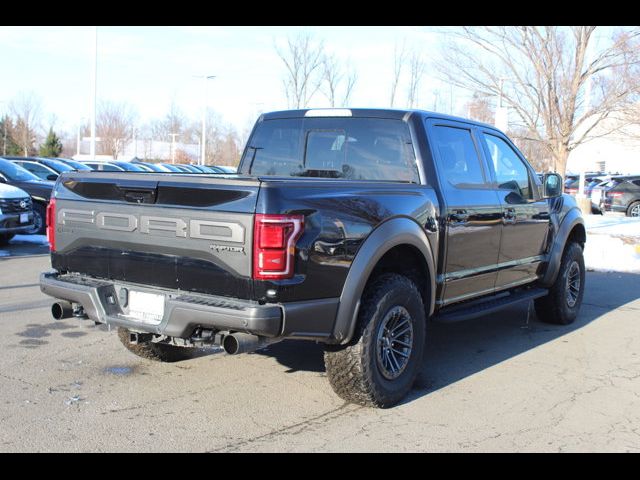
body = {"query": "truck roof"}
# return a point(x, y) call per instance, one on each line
point(400, 114)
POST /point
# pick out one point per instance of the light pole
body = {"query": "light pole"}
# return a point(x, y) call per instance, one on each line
point(173, 146)
point(502, 113)
point(203, 143)
point(82, 120)
point(94, 76)
point(4, 123)
point(135, 142)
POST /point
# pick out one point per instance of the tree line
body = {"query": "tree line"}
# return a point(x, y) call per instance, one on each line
point(23, 133)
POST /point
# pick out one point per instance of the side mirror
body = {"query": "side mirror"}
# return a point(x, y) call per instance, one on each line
point(53, 177)
point(551, 185)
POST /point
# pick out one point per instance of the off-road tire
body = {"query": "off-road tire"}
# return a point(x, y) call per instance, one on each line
point(353, 369)
point(633, 208)
point(5, 238)
point(554, 307)
point(159, 352)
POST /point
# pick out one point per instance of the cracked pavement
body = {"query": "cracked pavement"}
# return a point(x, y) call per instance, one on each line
point(498, 383)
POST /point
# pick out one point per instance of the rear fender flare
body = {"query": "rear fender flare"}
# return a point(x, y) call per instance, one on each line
point(391, 233)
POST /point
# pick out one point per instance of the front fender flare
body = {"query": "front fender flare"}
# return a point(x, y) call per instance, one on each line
point(393, 232)
point(571, 219)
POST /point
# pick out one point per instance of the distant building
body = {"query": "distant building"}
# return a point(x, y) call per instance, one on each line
point(617, 152)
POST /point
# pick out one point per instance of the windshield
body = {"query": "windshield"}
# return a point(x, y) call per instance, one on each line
point(76, 165)
point(332, 147)
point(130, 167)
point(15, 172)
point(57, 166)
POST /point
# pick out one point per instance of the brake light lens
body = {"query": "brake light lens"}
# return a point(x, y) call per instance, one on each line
point(614, 194)
point(51, 224)
point(274, 245)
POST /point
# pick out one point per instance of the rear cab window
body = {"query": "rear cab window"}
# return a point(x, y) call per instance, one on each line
point(342, 148)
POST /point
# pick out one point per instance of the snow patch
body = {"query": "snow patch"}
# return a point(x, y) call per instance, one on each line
point(613, 243)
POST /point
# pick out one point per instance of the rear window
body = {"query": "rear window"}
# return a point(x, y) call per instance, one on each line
point(349, 148)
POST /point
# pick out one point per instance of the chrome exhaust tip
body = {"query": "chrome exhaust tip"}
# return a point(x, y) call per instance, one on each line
point(61, 310)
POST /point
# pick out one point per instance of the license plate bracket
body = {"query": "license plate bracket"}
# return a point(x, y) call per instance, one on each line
point(146, 307)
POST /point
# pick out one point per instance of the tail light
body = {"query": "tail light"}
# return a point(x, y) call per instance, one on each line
point(571, 191)
point(274, 245)
point(614, 194)
point(51, 224)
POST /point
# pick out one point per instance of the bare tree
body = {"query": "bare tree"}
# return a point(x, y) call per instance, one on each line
point(173, 122)
point(399, 58)
point(334, 76)
point(303, 63)
point(534, 151)
point(352, 78)
point(114, 126)
point(25, 107)
point(416, 70)
point(544, 73)
point(479, 108)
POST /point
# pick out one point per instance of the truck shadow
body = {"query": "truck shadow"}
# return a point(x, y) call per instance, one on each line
point(25, 245)
point(456, 351)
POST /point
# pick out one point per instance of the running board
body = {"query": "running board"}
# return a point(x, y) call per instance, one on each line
point(478, 308)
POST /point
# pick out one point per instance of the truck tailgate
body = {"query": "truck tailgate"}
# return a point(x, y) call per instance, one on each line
point(171, 231)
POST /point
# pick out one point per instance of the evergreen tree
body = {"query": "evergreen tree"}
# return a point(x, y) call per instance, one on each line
point(52, 146)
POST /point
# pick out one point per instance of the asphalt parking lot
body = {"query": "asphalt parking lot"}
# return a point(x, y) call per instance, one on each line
point(505, 382)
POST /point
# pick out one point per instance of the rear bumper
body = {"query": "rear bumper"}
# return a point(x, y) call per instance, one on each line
point(612, 207)
point(186, 311)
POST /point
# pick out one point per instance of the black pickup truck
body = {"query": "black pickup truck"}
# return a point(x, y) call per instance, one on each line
point(347, 227)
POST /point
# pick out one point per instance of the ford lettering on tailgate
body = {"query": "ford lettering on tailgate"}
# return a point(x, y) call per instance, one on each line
point(150, 224)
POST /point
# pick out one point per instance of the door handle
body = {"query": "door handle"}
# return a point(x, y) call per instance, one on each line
point(509, 215)
point(459, 216)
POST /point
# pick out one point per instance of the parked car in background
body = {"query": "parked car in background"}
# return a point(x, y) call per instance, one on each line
point(43, 168)
point(188, 168)
point(172, 167)
point(144, 167)
point(572, 182)
point(114, 166)
point(622, 194)
point(227, 168)
point(180, 168)
point(151, 167)
point(207, 169)
point(39, 190)
point(104, 167)
point(16, 212)
point(77, 166)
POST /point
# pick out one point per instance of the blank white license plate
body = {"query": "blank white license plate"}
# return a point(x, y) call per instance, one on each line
point(146, 307)
point(595, 196)
point(24, 217)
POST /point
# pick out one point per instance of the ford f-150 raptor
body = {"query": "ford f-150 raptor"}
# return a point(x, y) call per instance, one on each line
point(347, 227)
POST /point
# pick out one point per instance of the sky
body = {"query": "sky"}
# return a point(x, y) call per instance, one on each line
point(149, 67)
